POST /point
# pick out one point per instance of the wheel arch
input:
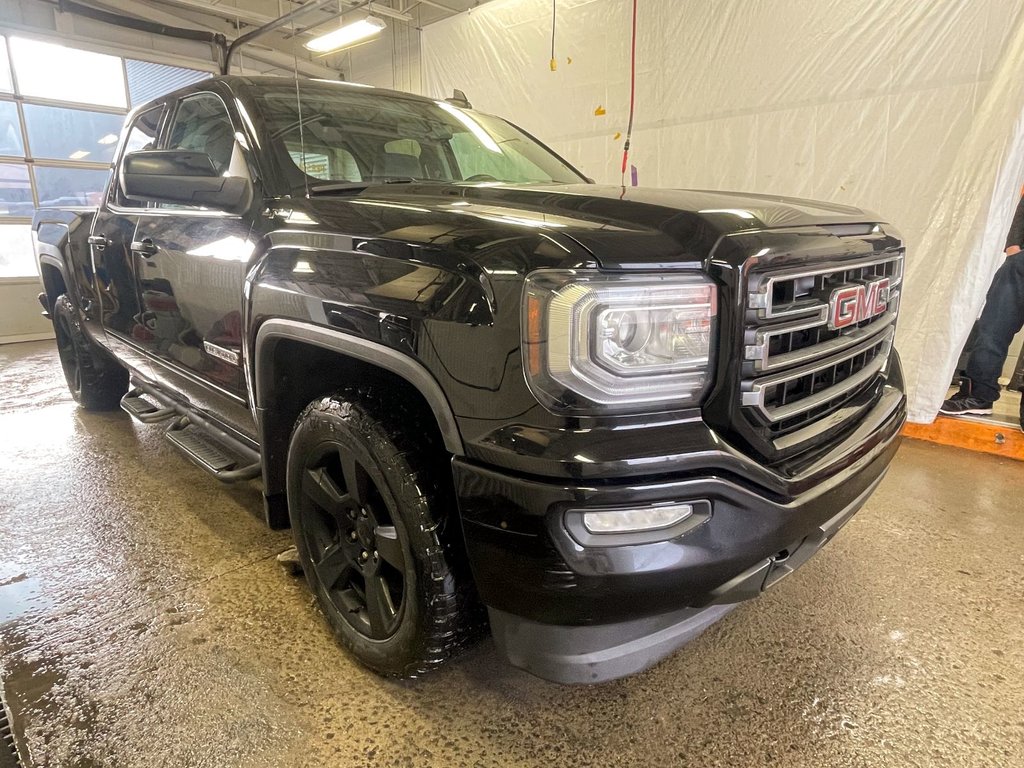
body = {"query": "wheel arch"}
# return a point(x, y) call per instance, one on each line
point(351, 359)
point(54, 275)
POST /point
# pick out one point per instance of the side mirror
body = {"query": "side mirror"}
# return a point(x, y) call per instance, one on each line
point(187, 178)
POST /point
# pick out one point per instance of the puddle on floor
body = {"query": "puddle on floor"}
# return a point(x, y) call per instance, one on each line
point(19, 595)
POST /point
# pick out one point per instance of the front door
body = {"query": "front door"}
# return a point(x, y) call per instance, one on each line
point(195, 262)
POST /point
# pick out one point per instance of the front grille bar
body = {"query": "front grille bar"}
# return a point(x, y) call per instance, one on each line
point(761, 298)
point(764, 362)
point(754, 392)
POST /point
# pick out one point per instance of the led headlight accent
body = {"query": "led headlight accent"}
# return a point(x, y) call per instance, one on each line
point(636, 520)
point(597, 342)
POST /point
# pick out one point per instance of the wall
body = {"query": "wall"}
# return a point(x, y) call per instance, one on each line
point(20, 318)
point(907, 108)
point(390, 61)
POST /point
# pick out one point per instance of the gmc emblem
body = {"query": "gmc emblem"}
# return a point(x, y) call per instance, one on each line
point(851, 304)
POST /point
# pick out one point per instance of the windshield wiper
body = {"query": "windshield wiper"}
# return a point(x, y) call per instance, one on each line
point(349, 186)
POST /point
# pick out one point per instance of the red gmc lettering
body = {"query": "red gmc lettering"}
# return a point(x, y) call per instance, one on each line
point(852, 304)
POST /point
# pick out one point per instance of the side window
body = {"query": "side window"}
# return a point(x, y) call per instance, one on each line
point(201, 124)
point(142, 135)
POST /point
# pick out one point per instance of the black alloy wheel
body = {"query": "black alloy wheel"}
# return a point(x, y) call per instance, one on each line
point(352, 540)
point(371, 505)
point(95, 379)
point(69, 354)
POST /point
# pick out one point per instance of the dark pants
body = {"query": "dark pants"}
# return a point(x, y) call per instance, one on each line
point(1000, 321)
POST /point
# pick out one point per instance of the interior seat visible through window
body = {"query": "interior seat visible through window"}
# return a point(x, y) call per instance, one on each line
point(395, 164)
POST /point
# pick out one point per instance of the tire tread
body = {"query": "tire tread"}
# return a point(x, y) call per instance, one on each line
point(103, 380)
point(408, 447)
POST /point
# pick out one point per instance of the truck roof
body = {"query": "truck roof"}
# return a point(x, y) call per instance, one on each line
point(259, 82)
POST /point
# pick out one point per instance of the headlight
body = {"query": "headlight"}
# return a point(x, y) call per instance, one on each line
point(594, 343)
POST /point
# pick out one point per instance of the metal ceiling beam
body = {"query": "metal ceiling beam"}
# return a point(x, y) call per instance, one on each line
point(375, 9)
point(231, 13)
point(277, 59)
point(441, 6)
point(270, 26)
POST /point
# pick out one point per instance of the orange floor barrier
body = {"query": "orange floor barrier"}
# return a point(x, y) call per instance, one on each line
point(987, 437)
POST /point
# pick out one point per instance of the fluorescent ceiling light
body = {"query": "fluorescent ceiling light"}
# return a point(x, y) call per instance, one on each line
point(78, 154)
point(347, 35)
point(110, 138)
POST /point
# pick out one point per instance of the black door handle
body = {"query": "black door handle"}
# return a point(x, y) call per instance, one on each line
point(144, 247)
point(99, 242)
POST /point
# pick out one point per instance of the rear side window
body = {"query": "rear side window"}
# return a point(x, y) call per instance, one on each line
point(142, 135)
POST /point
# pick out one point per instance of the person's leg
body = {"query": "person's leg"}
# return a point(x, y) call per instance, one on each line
point(1000, 321)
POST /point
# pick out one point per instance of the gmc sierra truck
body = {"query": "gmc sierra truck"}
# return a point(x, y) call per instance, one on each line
point(466, 376)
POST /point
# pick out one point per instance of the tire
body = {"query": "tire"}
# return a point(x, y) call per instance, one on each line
point(371, 508)
point(96, 380)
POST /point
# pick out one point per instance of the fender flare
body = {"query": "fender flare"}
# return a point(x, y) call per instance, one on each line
point(57, 262)
point(374, 353)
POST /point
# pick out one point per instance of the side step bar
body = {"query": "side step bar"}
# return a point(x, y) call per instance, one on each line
point(221, 454)
point(141, 409)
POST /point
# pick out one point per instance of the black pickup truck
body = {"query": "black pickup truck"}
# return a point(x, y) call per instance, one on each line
point(465, 375)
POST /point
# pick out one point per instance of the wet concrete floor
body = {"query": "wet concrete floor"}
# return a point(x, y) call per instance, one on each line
point(145, 622)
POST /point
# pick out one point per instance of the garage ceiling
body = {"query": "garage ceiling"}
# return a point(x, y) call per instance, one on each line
point(282, 49)
point(261, 11)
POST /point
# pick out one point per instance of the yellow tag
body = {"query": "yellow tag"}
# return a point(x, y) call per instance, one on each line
point(554, 65)
point(599, 111)
point(617, 136)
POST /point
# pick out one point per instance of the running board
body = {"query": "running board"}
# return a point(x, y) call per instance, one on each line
point(222, 454)
point(142, 410)
point(208, 453)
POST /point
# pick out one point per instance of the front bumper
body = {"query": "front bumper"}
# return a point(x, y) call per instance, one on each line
point(596, 654)
point(580, 613)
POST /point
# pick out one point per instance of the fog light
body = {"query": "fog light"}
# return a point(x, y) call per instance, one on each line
point(636, 520)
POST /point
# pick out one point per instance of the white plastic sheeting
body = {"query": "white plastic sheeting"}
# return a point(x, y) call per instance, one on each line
point(911, 108)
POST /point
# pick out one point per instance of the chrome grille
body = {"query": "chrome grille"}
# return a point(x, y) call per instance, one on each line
point(798, 367)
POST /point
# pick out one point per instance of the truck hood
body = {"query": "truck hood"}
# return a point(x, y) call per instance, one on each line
point(632, 227)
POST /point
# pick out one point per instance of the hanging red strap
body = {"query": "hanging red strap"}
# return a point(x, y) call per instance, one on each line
point(632, 96)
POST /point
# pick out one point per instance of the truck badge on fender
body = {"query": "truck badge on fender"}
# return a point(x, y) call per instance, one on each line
point(227, 355)
point(852, 304)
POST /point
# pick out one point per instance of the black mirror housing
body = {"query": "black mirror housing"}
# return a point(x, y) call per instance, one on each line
point(186, 178)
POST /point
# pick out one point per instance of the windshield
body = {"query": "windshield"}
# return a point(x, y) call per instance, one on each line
point(348, 134)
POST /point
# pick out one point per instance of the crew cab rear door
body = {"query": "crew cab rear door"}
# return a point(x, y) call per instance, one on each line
point(195, 262)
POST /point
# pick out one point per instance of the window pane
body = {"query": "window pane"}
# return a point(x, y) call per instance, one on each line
point(475, 159)
point(16, 256)
point(142, 135)
point(53, 71)
point(144, 130)
point(71, 134)
point(201, 124)
point(398, 138)
point(15, 191)
point(147, 80)
point(10, 130)
point(69, 186)
point(5, 67)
